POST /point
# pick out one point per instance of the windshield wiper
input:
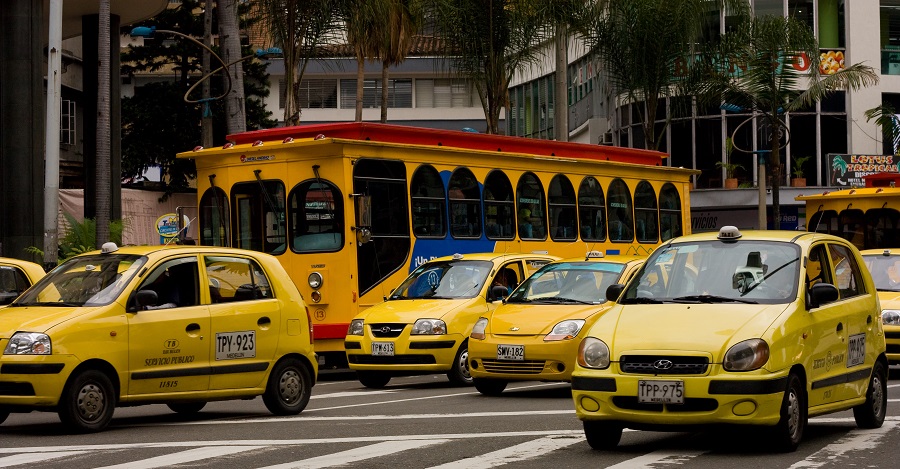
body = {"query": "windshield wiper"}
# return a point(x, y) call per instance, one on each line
point(49, 303)
point(562, 300)
point(640, 300)
point(710, 299)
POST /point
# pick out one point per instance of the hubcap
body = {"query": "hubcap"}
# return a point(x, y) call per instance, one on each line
point(91, 402)
point(793, 412)
point(289, 387)
point(877, 395)
point(463, 365)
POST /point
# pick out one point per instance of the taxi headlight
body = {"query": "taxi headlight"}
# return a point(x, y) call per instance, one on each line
point(890, 317)
point(479, 328)
point(748, 355)
point(28, 343)
point(567, 329)
point(356, 327)
point(593, 353)
point(429, 327)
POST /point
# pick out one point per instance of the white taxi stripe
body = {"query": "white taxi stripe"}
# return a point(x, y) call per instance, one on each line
point(857, 439)
point(30, 458)
point(658, 459)
point(181, 457)
point(521, 452)
point(357, 454)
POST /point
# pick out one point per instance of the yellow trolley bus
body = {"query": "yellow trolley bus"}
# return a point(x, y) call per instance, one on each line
point(351, 208)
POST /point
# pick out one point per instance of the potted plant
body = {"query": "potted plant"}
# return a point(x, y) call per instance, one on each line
point(798, 180)
point(731, 182)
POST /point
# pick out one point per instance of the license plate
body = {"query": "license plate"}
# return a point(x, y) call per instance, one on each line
point(660, 392)
point(856, 350)
point(510, 352)
point(233, 345)
point(383, 348)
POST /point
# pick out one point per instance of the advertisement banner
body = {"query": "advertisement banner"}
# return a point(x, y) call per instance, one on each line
point(848, 170)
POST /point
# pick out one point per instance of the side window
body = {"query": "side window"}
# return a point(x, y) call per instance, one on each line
point(236, 279)
point(847, 277)
point(561, 201)
point(591, 210)
point(646, 215)
point(817, 267)
point(509, 276)
point(621, 221)
point(530, 206)
point(316, 211)
point(214, 221)
point(465, 204)
point(258, 216)
point(426, 192)
point(498, 206)
point(12, 282)
point(175, 283)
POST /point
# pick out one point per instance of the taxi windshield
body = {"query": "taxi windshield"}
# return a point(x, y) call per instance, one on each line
point(885, 271)
point(568, 283)
point(83, 281)
point(444, 280)
point(746, 271)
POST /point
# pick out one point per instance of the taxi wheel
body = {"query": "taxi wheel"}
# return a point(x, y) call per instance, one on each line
point(870, 414)
point(289, 388)
point(373, 379)
point(490, 387)
point(87, 402)
point(789, 430)
point(602, 435)
point(186, 408)
point(3, 416)
point(459, 374)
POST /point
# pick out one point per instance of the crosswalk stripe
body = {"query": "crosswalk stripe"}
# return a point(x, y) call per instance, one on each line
point(357, 454)
point(181, 457)
point(29, 458)
point(658, 458)
point(854, 440)
point(520, 452)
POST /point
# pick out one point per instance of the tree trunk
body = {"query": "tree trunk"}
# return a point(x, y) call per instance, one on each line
point(775, 157)
point(384, 92)
point(230, 41)
point(360, 79)
point(206, 122)
point(561, 100)
point(103, 131)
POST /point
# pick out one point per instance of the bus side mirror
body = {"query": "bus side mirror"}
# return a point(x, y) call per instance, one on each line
point(614, 291)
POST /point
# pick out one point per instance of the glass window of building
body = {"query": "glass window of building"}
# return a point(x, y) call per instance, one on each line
point(646, 215)
point(499, 206)
point(443, 92)
point(621, 221)
point(561, 201)
point(890, 37)
point(426, 192)
point(591, 210)
point(315, 214)
point(465, 204)
point(530, 208)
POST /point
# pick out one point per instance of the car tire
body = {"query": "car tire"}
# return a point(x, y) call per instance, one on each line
point(87, 402)
point(459, 373)
point(289, 388)
point(3, 416)
point(373, 379)
point(790, 428)
point(186, 408)
point(602, 435)
point(490, 387)
point(871, 413)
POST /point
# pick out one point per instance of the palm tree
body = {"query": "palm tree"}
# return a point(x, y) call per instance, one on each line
point(404, 21)
point(104, 196)
point(365, 23)
point(760, 67)
point(230, 40)
point(885, 116)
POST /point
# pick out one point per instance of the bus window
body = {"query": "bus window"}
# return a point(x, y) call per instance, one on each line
point(530, 207)
point(427, 196)
point(669, 212)
point(316, 212)
point(882, 227)
point(214, 218)
point(853, 227)
point(465, 204)
point(385, 182)
point(259, 221)
point(824, 221)
point(498, 206)
point(591, 210)
point(561, 200)
point(621, 224)
point(645, 213)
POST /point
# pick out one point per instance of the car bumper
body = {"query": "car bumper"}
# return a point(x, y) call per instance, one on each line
point(411, 354)
point(547, 361)
point(892, 343)
point(33, 381)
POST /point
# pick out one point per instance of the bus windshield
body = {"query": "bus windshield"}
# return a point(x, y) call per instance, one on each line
point(444, 280)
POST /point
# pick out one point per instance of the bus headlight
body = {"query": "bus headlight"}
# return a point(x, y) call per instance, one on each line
point(429, 327)
point(890, 317)
point(567, 329)
point(479, 328)
point(28, 343)
point(748, 355)
point(356, 327)
point(314, 280)
point(593, 353)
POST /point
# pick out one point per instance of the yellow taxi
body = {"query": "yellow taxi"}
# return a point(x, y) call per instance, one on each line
point(424, 325)
point(15, 277)
point(179, 325)
point(534, 334)
point(763, 328)
point(884, 265)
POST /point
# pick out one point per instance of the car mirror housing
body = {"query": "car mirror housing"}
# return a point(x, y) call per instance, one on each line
point(614, 291)
point(820, 294)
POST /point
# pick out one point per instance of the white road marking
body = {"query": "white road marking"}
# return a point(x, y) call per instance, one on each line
point(31, 458)
point(521, 452)
point(855, 440)
point(658, 458)
point(304, 418)
point(335, 395)
point(357, 454)
point(191, 455)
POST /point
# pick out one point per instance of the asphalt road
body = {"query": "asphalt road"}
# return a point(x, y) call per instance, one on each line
point(421, 422)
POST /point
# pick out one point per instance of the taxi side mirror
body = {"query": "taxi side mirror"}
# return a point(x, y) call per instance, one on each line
point(141, 299)
point(821, 294)
point(498, 292)
point(614, 291)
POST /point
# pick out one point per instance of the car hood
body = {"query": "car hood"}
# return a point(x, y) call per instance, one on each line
point(889, 299)
point(35, 318)
point(709, 328)
point(526, 319)
point(407, 311)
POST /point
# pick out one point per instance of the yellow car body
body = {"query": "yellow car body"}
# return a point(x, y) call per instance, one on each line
point(884, 265)
point(716, 343)
point(534, 334)
point(16, 276)
point(424, 324)
point(180, 325)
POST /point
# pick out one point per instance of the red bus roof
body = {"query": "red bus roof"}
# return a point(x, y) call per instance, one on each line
point(453, 138)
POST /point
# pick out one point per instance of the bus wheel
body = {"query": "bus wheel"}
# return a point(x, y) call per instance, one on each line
point(459, 373)
point(87, 402)
point(289, 388)
point(373, 379)
point(186, 408)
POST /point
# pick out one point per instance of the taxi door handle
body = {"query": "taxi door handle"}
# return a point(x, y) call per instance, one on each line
point(192, 327)
point(264, 321)
point(840, 327)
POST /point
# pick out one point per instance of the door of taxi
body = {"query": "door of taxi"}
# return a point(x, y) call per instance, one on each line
point(169, 343)
point(245, 321)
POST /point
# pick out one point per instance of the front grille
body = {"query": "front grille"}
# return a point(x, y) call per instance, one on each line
point(892, 348)
point(16, 389)
point(525, 367)
point(382, 330)
point(652, 365)
point(691, 404)
point(891, 335)
point(395, 360)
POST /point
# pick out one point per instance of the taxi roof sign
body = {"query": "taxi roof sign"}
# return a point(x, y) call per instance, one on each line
point(729, 233)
